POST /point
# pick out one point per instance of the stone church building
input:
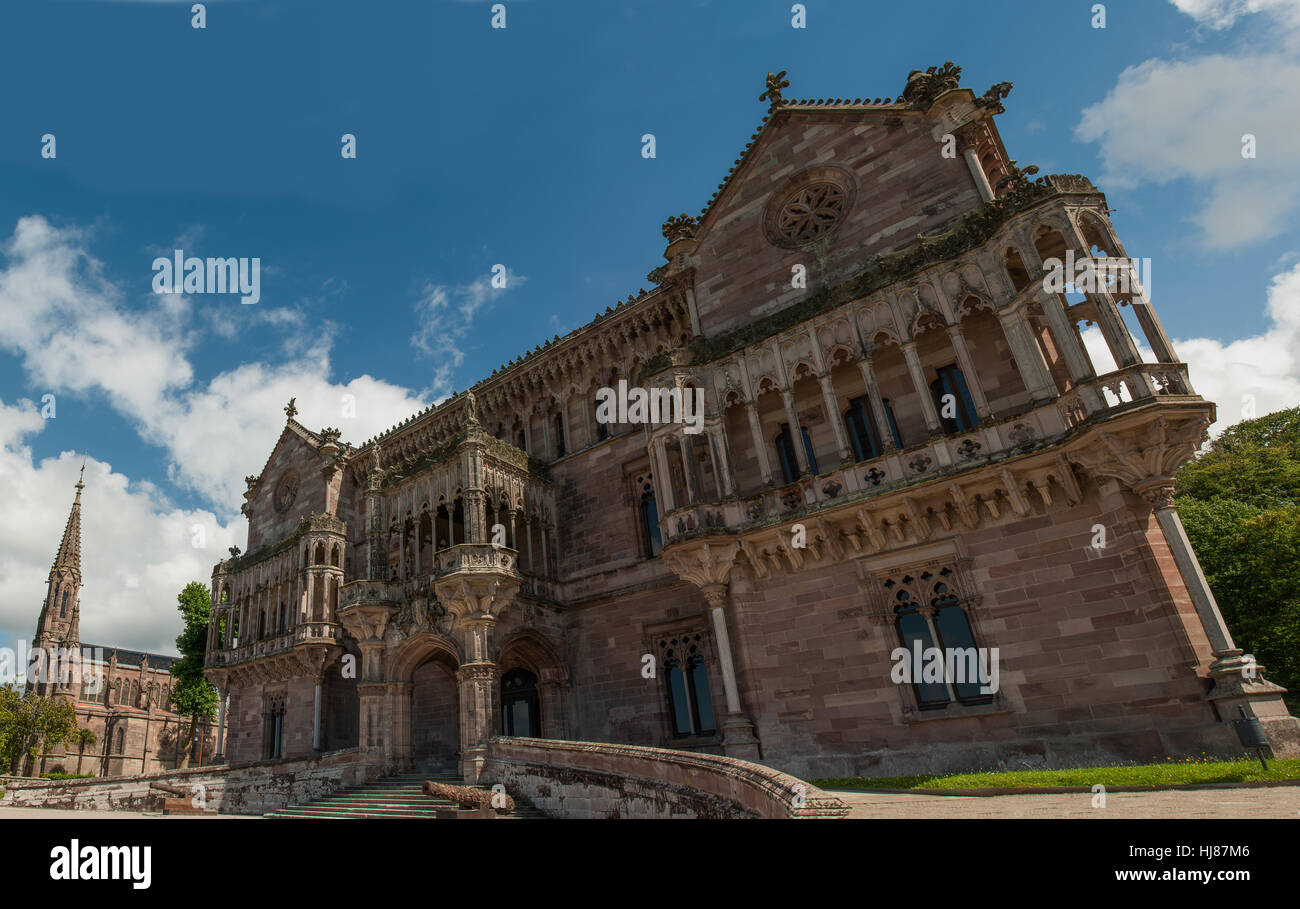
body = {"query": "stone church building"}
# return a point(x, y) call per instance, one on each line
point(122, 696)
point(905, 444)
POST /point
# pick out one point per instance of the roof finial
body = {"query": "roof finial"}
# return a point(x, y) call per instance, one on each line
point(81, 480)
point(775, 83)
point(290, 409)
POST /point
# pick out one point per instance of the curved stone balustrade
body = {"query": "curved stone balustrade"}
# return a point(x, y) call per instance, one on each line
point(596, 779)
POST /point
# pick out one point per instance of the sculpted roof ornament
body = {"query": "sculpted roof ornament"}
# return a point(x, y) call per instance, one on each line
point(775, 83)
point(992, 99)
point(923, 87)
point(680, 227)
point(290, 410)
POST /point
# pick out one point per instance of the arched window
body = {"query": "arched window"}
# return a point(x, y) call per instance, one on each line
point(785, 453)
point(648, 513)
point(559, 436)
point(939, 631)
point(953, 401)
point(63, 606)
point(121, 741)
point(690, 704)
point(135, 693)
point(523, 441)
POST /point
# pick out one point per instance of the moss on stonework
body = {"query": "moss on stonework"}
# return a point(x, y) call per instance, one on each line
point(969, 231)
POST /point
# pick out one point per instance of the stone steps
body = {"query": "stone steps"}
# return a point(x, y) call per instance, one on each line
point(398, 796)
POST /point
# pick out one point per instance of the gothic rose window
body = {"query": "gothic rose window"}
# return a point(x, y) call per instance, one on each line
point(286, 491)
point(811, 211)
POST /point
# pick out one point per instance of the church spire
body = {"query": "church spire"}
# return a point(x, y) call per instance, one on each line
point(69, 554)
point(60, 621)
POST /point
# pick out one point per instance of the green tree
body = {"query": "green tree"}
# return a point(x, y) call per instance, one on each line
point(84, 738)
point(30, 724)
point(1240, 503)
point(193, 695)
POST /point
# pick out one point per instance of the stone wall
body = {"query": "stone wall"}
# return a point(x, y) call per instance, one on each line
point(247, 789)
point(595, 780)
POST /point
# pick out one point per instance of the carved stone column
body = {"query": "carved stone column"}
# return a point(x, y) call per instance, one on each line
point(796, 431)
point(883, 428)
point(833, 413)
point(967, 366)
point(922, 388)
point(366, 618)
point(1029, 358)
point(707, 565)
point(760, 445)
point(475, 594)
point(1067, 341)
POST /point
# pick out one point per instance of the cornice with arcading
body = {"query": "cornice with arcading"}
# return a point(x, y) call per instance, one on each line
point(876, 523)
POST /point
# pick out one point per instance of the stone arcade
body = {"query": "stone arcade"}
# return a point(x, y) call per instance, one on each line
point(925, 408)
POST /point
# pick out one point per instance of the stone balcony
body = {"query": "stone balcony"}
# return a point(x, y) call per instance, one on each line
point(307, 634)
point(1035, 430)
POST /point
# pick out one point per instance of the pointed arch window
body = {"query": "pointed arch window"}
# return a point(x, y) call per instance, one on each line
point(930, 618)
point(648, 513)
point(686, 675)
point(63, 606)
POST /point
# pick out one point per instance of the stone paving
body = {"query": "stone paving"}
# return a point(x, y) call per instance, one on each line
point(1272, 801)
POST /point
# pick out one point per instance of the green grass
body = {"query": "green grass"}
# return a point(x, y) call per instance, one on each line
point(1169, 773)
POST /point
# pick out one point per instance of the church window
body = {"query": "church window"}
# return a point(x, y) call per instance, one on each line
point(63, 606)
point(559, 436)
point(121, 741)
point(931, 618)
point(686, 675)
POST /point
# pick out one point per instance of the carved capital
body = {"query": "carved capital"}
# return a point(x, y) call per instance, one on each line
point(704, 563)
point(1144, 457)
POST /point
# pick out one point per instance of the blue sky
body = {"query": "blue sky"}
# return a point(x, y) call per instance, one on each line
point(519, 146)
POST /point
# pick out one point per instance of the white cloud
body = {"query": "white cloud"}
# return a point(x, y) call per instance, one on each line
point(76, 334)
point(443, 324)
point(1259, 374)
point(1185, 120)
point(1222, 14)
point(137, 549)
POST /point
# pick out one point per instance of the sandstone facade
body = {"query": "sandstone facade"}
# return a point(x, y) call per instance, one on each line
point(904, 441)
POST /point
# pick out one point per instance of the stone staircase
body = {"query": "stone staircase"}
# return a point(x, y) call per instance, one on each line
point(397, 796)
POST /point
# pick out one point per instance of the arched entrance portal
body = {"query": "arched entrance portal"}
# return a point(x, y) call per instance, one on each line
point(435, 715)
point(520, 708)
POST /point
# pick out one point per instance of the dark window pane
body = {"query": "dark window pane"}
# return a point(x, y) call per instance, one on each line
point(912, 626)
point(785, 455)
point(650, 514)
point(808, 450)
point(677, 700)
point(954, 632)
point(703, 699)
point(893, 424)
